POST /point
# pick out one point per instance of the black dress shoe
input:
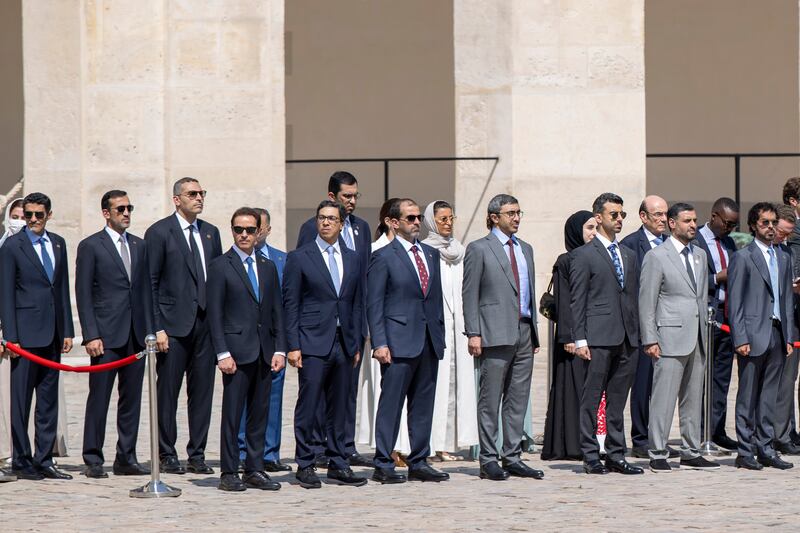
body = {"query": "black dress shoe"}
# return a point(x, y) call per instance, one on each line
point(131, 469)
point(660, 466)
point(307, 477)
point(231, 483)
point(387, 476)
point(171, 465)
point(673, 453)
point(640, 452)
point(51, 472)
point(789, 448)
point(747, 463)
point(95, 471)
point(260, 480)
point(725, 442)
point(29, 473)
point(775, 462)
point(357, 459)
point(594, 467)
point(199, 466)
point(321, 461)
point(520, 469)
point(276, 466)
point(6, 476)
point(345, 476)
point(493, 472)
point(623, 467)
point(425, 472)
point(699, 463)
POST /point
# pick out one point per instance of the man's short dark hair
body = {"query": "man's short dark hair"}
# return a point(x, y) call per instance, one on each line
point(247, 212)
point(339, 178)
point(495, 205)
point(263, 212)
point(755, 213)
point(791, 189)
point(395, 211)
point(38, 198)
point(105, 201)
point(330, 203)
point(725, 203)
point(600, 202)
point(677, 208)
point(177, 187)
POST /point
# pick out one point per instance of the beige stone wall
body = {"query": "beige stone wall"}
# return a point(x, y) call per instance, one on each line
point(11, 102)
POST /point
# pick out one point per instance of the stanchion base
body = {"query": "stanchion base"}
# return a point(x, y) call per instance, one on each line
point(155, 489)
point(709, 448)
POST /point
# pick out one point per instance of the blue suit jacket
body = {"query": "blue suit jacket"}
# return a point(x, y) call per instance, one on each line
point(33, 310)
point(637, 241)
point(279, 258)
point(398, 312)
point(312, 305)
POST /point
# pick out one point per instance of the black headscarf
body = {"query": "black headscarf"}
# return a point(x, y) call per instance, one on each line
point(573, 229)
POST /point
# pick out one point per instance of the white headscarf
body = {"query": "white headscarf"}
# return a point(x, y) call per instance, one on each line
point(12, 226)
point(451, 250)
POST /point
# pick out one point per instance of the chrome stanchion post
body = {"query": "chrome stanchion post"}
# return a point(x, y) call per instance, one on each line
point(708, 447)
point(155, 488)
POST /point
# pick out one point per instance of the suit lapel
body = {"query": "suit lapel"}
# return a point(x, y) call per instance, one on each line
point(761, 264)
point(598, 246)
point(262, 277)
point(432, 268)
point(27, 249)
point(315, 256)
point(404, 259)
point(238, 266)
point(207, 239)
point(57, 262)
point(178, 235)
point(677, 261)
point(500, 254)
point(108, 244)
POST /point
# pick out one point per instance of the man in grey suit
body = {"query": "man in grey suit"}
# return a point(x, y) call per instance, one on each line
point(763, 331)
point(673, 304)
point(605, 301)
point(499, 319)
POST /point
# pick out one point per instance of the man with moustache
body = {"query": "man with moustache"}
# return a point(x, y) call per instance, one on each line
point(245, 317)
point(673, 299)
point(115, 307)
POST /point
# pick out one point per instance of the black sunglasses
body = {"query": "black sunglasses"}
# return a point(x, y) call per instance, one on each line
point(121, 209)
point(413, 218)
point(35, 214)
point(251, 230)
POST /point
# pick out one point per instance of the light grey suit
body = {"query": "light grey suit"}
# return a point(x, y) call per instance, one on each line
point(492, 311)
point(673, 313)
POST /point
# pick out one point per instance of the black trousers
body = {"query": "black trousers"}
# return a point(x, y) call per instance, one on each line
point(612, 369)
point(129, 387)
point(27, 377)
point(640, 399)
point(324, 380)
point(251, 384)
point(193, 356)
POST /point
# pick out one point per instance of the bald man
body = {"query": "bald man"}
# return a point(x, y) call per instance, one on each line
point(653, 214)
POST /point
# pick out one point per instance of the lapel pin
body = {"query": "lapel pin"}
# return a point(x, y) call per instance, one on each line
point(208, 235)
point(58, 245)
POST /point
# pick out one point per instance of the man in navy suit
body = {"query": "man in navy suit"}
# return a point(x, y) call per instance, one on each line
point(343, 189)
point(406, 320)
point(714, 238)
point(761, 309)
point(179, 249)
point(272, 438)
point(322, 298)
point(36, 312)
point(115, 307)
point(245, 317)
point(653, 214)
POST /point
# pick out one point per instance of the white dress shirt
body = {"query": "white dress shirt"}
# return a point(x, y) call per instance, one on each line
point(407, 245)
point(199, 241)
point(680, 246)
point(116, 238)
point(48, 245)
point(337, 256)
point(650, 237)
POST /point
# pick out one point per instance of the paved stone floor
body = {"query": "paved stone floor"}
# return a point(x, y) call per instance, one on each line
point(728, 499)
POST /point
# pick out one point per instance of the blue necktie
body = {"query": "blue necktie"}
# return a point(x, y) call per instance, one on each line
point(334, 268)
point(251, 273)
point(773, 280)
point(348, 241)
point(617, 264)
point(658, 240)
point(46, 261)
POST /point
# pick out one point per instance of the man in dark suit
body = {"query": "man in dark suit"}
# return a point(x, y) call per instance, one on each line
point(115, 307)
point(322, 299)
point(272, 438)
point(406, 320)
point(179, 249)
point(653, 214)
point(36, 312)
point(343, 189)
point(245, 317)
point(714, 238)
point(605, 302)
point(761, 309)
point(498, 294)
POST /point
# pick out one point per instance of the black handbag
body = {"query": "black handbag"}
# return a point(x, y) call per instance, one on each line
point(547, 303)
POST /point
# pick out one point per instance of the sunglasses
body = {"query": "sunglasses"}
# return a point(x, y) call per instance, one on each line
point(122, 208)
point(768, 223)
point(618, 214)
point(413, 218)
point(41, 215)
point(195, 194)
point(251, 230)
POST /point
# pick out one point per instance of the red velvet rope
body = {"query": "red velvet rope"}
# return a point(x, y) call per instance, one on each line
point(67, 368)
point(727, 329)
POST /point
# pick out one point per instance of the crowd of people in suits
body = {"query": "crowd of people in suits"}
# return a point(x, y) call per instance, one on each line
point(448, 332)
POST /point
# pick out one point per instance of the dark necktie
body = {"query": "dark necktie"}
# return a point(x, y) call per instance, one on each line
point(251, 273)
point(617, 264)
point(685, 253)
point(47, 263)
point(198, 267)
point(723, 265)
point(514, 269)
point(423, 272)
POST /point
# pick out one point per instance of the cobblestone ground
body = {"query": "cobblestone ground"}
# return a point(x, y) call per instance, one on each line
point(729, 499)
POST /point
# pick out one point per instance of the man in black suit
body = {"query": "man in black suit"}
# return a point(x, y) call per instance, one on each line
point(179, 248)
point(605, 302)
point(322, 299)
point(115, 307)
point(406, 319)
point(247, 333)
point(714, 238)
point(355, 235)
point(36, 312)
point(653, 214)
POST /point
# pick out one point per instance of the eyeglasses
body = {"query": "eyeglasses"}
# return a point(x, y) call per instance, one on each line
point(332, 219)
point(618, 214)
point(512, 214)
point(122, 208)
point(195, 194)
point(768, 223)
point(251, 230)
point(446, 220)
point(35, 214)
point(351, 196)
point(413, 218)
